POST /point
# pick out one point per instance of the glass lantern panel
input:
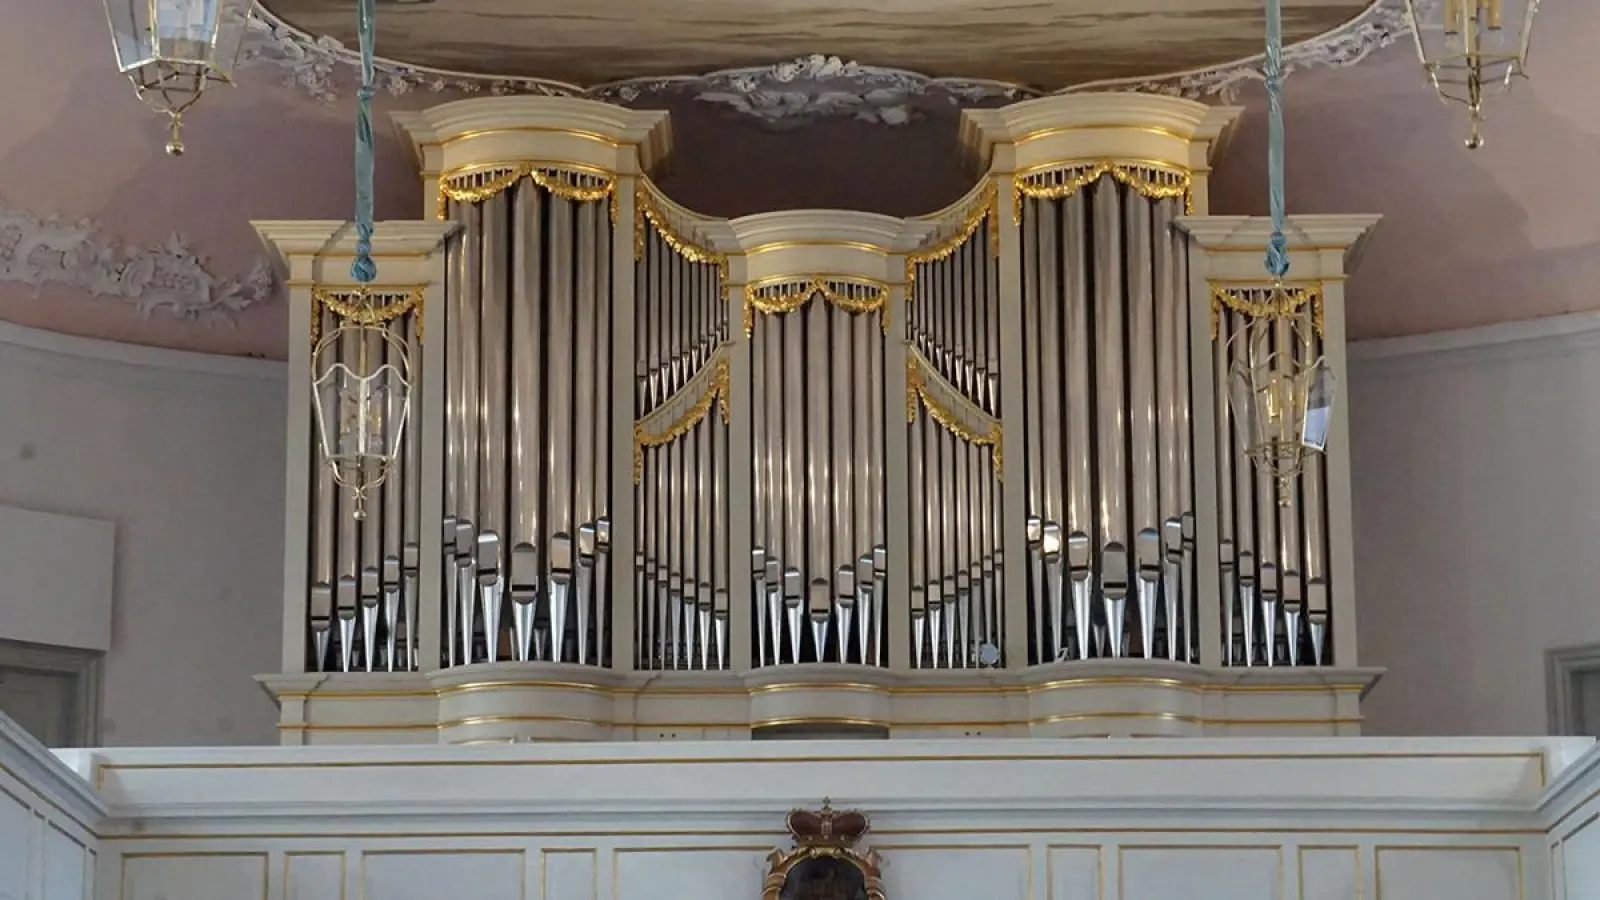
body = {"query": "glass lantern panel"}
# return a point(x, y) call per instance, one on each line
point(1497, 31)
point(203, 33)
point(233, 24)
point(1322, 390)
point(1241, 402)
point(131, 34)
point(361, 418)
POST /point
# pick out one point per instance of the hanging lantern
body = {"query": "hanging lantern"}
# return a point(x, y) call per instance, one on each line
point(172, 49)
point(361, 391)
point(360, 373)
point(1280, 389)
point(1472, 49)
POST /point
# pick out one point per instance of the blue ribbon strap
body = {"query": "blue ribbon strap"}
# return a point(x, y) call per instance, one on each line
point(1277, 245)
point(363, 269)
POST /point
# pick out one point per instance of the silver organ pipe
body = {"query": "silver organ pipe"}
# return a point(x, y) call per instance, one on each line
point(527, 488)
point(1106, 293)
point(818, 509)
point(681, 443)
point(954, 435)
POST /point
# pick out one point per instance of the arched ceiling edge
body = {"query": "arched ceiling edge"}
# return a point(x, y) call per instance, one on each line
point(810, 87)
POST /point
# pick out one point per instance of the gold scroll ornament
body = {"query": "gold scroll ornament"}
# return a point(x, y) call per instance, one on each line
point(776, 296)
point(1154, 181)
point(917, 394)
point(1255, 303)
point(357, 306)
point(975, 215)
point(648, 214)
point(715, 392)
point(479, 184)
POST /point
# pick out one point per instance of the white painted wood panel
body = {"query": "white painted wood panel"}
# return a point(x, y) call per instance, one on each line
point(1329, 873)
point(427, 873)
point(314, 875)
point(202, 875)
point(1237, 872)
point(48, 820)
point(1458, 871)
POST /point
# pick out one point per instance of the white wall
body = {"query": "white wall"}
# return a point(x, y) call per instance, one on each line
point(48, 822)
point(1477, 516)
point(183, 454)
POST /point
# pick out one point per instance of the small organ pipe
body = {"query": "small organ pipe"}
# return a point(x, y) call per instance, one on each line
point(1111, 404)
point(1080, 407)
point(846, 393)
point(863, 333)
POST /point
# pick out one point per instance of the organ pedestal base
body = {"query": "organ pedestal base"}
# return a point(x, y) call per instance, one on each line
point(514, 702)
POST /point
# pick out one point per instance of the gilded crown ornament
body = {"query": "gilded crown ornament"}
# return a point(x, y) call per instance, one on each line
point(825, 863)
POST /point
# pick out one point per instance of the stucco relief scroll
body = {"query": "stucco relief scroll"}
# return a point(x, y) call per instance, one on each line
point(169, 279)
point(816, 86)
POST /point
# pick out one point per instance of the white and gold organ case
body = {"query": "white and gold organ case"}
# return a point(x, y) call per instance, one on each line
point(817, 472)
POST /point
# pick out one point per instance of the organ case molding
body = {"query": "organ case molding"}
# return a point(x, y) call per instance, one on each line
point(866, 311)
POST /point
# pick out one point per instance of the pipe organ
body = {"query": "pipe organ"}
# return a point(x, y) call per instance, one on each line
point(672, 476)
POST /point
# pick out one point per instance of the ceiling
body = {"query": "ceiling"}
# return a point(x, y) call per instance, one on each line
point(1044, 43)
point(1504, 233)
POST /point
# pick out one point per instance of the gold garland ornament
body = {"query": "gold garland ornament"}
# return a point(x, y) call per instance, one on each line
point(917, 394)
point(648, 214)
point(553, 178)
point(796, 293)
point(1137, 177)
point(353, 305)
point(1244, 300)
point(976, 214)
point(715, 392)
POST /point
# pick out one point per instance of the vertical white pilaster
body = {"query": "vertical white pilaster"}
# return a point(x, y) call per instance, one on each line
point(1341, 522)
point(623, 536)
point(741, 509)
point(1204, 422)
point(298, 462)
point(1013, 450)
point(896, 481)
point(430, 417)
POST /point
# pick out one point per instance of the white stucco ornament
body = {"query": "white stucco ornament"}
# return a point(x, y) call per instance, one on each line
point(817, 86)
point(169, 279)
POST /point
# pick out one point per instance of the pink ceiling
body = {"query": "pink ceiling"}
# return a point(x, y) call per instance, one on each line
point(1507, 232)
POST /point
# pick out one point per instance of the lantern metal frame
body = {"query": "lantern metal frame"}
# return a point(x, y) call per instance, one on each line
point(360, 472)
point(1278, 378)
point(171, 83)
point(1464, 72)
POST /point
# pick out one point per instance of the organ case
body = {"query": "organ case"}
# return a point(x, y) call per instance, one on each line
point(823, 469)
